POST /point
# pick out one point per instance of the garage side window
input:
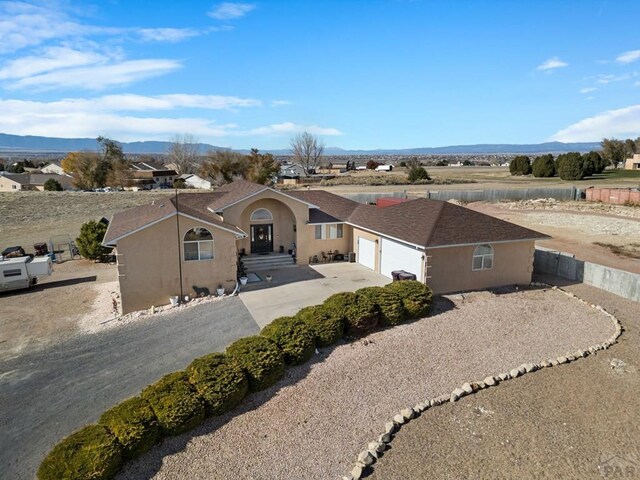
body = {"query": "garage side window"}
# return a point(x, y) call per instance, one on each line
point(483, 257)
point(198, 244)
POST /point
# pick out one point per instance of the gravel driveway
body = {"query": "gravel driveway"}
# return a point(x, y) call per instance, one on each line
point(321, 415)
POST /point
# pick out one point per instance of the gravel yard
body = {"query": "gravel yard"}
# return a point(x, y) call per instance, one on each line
point(322, 414)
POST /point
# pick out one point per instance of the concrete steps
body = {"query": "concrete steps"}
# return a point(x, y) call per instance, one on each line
point(254, 263)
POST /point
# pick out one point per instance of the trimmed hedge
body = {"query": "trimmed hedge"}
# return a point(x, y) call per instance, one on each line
point(416, 297)
point(90, 453)
point(327, 329)
point(389, 303)
point(175, 403)
point(134, 424)
point(220, 382)
point(293, 337)
point(260, 358)
point(359, 312)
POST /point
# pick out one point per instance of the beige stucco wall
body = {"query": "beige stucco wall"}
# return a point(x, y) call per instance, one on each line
point(286, 212)
point(632, 163)
point(450, 269)
point(316, 247)
point(369, 236)
point(7, 185)
point(148, 264)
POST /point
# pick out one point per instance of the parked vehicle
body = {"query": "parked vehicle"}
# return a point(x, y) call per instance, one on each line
point(13, 252)
point(23, 272)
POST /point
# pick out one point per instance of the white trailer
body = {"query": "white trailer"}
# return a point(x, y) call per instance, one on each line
point(23, 272)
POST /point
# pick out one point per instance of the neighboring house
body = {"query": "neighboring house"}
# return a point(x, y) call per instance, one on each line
point(632, 163)
point(31, 181)
point(290, 173)
point(53, 167)
point(148, 165)
point(152, 179)
point(194, 181)
point(197, 238)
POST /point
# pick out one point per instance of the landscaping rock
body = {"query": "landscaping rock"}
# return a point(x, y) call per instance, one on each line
point(562, 360)
point(490, 381)
point(398, 419)
point(504, 376)
point(407, 413)
point(366, 458)
point(456, 394)
point(514, 373)
point(530, 367)
point(389, 427)
point(357, 472)
point(385, 438)
point(467, 388)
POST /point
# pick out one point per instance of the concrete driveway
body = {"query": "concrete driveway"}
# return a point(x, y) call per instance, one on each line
point(46, 395)
point(293, 288)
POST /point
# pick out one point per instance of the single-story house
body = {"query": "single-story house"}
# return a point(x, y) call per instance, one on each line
point(632, 163)
point(194, 181)
point(152, 179)
point(31, 181)
point(53, 167)
point(195, 238)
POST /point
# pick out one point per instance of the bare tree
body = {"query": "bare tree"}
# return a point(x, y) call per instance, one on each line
point(307, 151)
point(183, 153)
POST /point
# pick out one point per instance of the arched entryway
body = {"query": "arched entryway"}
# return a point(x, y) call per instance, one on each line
point(270, 225)
point(261, 231)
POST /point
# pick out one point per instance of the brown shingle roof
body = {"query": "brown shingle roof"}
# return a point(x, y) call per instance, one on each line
point(192, 204)
point(328, 203)
point(234, 192)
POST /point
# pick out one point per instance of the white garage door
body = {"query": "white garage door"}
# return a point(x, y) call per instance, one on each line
point(367, 253)
point(396, 256)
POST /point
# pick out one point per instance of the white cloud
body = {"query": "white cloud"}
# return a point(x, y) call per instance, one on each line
point(620, 123)
point(100, 76)
point(280, 103)
point(551, 64)
point(628, 57)
point(588, 89)
point(230, 11)
point(89, 117)
point(51, 58)
point(604, 79)
point(288, 128)
point(171, 35)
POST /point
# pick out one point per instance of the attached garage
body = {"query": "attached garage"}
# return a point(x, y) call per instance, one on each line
point(367, 253)
point(398, 256)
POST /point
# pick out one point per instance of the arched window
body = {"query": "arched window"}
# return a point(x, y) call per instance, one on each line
point(261, 215)
point(198, 244)
point(483, 257)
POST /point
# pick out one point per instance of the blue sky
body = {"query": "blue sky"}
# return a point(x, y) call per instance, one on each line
point(359, 74)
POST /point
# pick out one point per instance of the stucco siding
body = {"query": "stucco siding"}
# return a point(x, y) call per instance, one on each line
point(7, 185)
point(316, 247)
point(369, 236)
point(148, 268)
point(450, 269)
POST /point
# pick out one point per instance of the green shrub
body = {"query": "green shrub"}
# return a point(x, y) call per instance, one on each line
point(570, 166)
point(327, 329)
point(90, 453)
point(389, 304)
point(219, 380)
point(293, 337)
point(360, 313)
point(520, 165)
point(260, 358)
point(417, 173)
point(175, 403)
point(52, 185)
point(90, 240)
point(134, 424)
point(416, 297)
point(543, 166)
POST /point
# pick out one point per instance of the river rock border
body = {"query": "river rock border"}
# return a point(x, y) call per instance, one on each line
point(366, 458)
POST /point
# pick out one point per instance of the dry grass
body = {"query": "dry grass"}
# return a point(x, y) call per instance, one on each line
point(631, 250)
point(30, 217)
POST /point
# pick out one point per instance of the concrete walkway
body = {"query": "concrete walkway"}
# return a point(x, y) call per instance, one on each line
point(293, 288)
point(48, 394)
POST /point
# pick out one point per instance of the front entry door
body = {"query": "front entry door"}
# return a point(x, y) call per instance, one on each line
point(262, 238)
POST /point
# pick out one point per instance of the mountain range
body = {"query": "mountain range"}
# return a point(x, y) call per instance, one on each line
point(30, 143)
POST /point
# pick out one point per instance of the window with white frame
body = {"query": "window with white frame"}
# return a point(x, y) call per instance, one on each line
point(198, 244)
point(335, 230)
point(483, 257)
point(261, 215)
point(319, 235)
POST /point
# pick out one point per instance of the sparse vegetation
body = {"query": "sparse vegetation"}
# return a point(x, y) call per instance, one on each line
point(631, 250)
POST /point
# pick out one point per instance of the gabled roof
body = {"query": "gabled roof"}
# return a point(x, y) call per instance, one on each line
point(329, 205)
point(21, 178)
point(237, 191)
point(193, 205)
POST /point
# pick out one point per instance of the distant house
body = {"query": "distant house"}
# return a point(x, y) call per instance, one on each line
point(31, 181)
point(194, 181)
point(290, 173)
point(632, 163)
point(152, 179)
point(384, 168)
point(169, 246)
point(53, 167)
point(334, 168)
point(148, 165)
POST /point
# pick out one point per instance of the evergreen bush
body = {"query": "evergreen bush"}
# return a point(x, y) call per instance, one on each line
point(520, 165)
point(360, 313)
point(261, 360)
point(52, 185)
point(570, 166)
point(416, 297)
point(389, 304)
point(175, 402)
point(327, 329)
point(293, 337)
point(543, 166)
point(134, 424)
point(90, 240)
point(220, 382)
point(92, 452)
